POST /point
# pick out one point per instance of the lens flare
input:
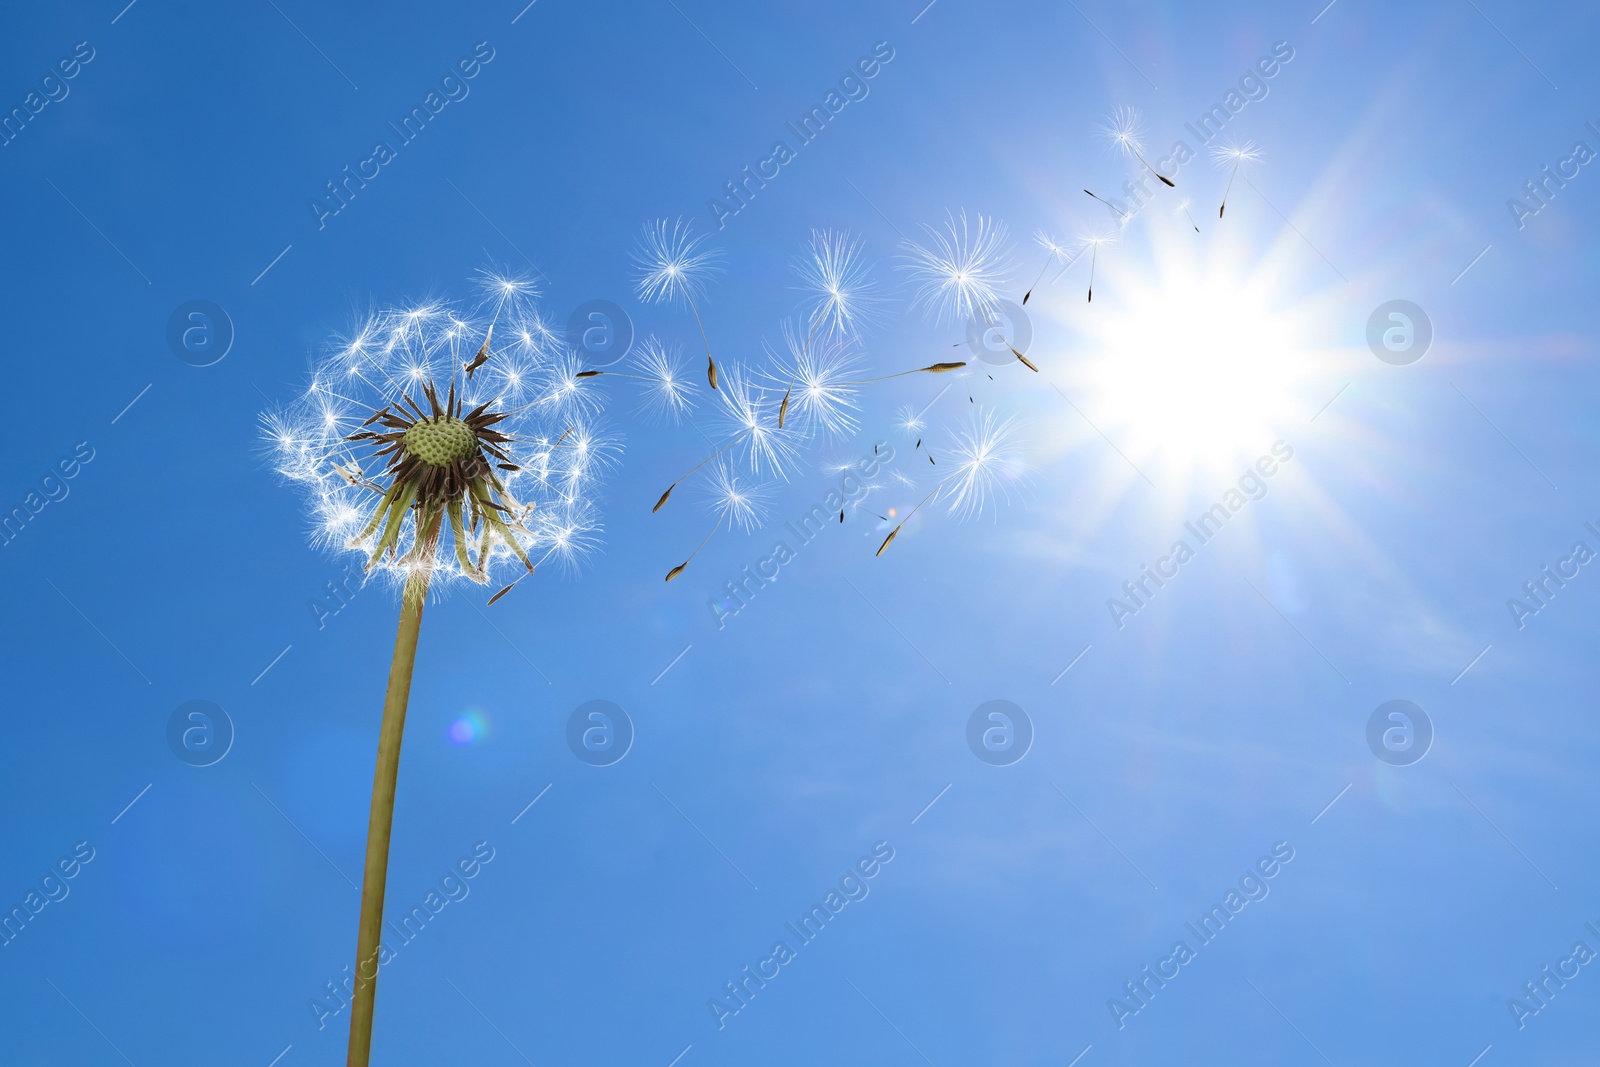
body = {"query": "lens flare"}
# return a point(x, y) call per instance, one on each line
point(469, 727)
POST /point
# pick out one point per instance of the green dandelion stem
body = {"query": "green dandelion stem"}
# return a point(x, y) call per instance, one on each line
point(381, 819)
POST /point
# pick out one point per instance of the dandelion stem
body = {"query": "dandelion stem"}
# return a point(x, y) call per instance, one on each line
point(697, 466)
point(1049, 258)
point(383, 788)
point(711, 364)
point(895, 532)
point(1169, 182)
point(674, 572)
point(1229, 189)
point(937, 368)
point(783, 408)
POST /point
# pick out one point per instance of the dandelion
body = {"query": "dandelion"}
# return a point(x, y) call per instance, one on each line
point(1236, 154)
point(1110, 205)
point(1125, 132)
point(673, 266)
point(1095, 241)
point(661, 369)
point(1184, 207)
point(840, 291)
point(750, 430)
point(737, 502)
point(1053, 251)
point(434, 476)
point(978, 460)
point(821, 369)
point(838, 283)
point(960, 270)
point(909, 419)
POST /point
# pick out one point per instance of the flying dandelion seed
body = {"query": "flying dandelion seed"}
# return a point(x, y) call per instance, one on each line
point(1094, 242)
point(673, 266)
point(748, 429)
point(1053, 251)
point(739, 503)
point(821, 369)
point(960, 271)
point(909, 419)
point(433, 475)
point(667, 392)
point(984, 456)
point(841, 296)
point(1125, 131)
point(1110, 205)
point(1236, 154)
point(1184, 207)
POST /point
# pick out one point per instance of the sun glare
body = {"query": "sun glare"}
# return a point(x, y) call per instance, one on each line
point(1194, 371)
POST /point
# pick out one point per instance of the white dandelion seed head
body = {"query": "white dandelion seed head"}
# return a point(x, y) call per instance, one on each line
point(1124, 128)
point(503, 286)
point(1234, 152)
point(841, 295)
point(672, 264)
point(1047, 242)
point(386, 364)
point(749, 418)
point(909, 419)
point(736, 499)
point(822, 396)
point(986, 463)
point(669, 391)
point(961, 269)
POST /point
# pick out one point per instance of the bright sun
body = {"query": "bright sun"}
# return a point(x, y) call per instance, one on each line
point(1196, 370)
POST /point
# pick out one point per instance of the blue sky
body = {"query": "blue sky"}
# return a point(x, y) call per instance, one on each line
point(1227, 715)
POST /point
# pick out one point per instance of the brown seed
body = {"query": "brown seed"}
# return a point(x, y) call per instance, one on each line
point(711, 371)
point(940, 368)
point(501, 593)
point(663, 499)
point(674, 572)
point(589, 374)
point(886, 540)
